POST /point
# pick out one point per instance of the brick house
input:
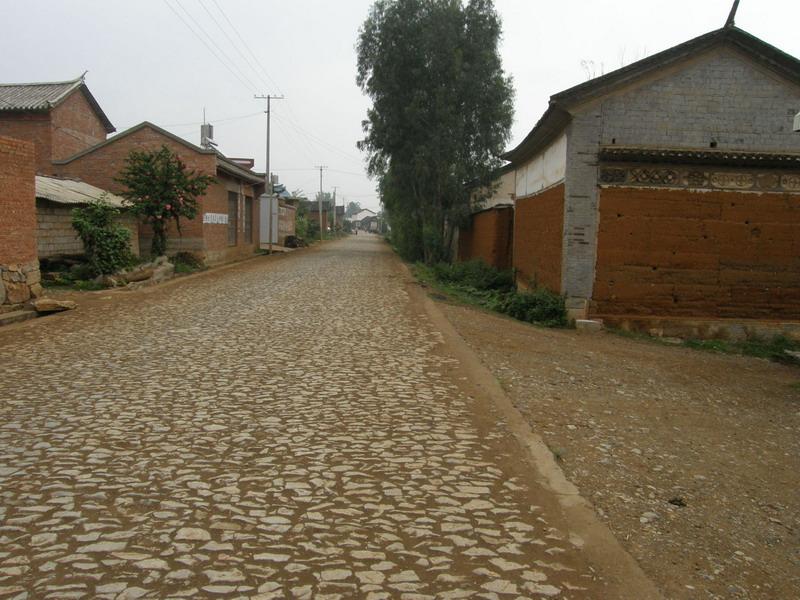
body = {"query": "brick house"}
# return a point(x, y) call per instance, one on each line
point(60, 118)
point(69, 132)
point(226, 227)
point(670, 187)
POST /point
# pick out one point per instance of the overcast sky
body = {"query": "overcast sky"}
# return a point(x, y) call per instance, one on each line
point(144, 63)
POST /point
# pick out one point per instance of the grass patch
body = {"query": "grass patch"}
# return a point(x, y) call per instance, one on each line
point(774, 349)
point(477, 284)
point(187, 262)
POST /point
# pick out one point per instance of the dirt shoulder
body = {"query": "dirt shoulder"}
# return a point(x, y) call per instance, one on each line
point(691, 458)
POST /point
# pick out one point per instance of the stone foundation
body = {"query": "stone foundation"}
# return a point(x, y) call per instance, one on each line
point(19, 283)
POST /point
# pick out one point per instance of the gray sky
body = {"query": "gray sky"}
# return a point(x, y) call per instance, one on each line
point(145, 64)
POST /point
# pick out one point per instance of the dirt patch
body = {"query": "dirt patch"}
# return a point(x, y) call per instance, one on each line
point(692, 458)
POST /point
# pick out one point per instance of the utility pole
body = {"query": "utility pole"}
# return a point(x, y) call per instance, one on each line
point(319, 198)
point(335, 187)
point(267, 175)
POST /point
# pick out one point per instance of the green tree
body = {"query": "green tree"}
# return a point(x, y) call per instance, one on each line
point(441, 113)
point(160, 188)
point(352, 209)
point(105, 241)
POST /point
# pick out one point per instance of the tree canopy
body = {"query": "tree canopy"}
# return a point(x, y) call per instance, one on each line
point(441, 112)
point(160, 188)
point(352, 209)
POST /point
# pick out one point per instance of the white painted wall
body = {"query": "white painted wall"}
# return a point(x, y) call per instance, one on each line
point(544, 170)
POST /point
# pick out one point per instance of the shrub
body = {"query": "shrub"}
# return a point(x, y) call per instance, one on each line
point(107, 243)
point(475, 274)
point(537, 306)
point(187, 262)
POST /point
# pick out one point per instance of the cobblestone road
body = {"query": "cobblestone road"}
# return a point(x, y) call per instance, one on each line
point(286, 428)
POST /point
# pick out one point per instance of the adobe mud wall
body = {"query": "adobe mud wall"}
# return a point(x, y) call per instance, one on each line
point(489, 238)
point(698, 254)
point(538, 239)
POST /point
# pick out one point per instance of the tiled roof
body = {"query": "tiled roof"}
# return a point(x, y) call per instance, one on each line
point(34, 96)
point(44, 96)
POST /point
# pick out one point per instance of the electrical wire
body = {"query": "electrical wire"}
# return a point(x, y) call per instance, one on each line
point(211, 39)
point(210, 49)
point(247, 47)
point(233, 44)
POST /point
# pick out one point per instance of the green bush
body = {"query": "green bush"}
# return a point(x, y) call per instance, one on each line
point(475, 274)
point(301, 227)
point(476, 282)
point(106, 243)
point(187, 262)
point(537, 306)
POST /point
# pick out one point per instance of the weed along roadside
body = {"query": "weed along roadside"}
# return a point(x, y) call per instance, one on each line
point(476, 283)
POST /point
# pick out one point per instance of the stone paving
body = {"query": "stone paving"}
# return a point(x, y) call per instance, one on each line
point(283, 429)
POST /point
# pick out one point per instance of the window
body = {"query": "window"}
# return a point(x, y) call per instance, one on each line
point(248, 219)
point(233, 217)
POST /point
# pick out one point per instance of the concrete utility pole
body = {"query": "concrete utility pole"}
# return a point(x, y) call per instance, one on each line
point(335, 187)
point(267, 175)
point(319, 198)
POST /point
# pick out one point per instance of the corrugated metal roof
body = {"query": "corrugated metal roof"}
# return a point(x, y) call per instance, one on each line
point(34, 96)
point(69, 191)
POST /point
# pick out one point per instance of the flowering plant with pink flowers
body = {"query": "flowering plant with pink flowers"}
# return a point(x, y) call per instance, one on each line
point(160, 188)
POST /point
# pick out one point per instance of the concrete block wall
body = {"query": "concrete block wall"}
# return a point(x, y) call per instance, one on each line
point(19, 265)
point(286, 223)
point(57, 237)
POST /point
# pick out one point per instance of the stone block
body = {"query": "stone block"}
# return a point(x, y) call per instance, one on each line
point(17, 292)
point(588, 325)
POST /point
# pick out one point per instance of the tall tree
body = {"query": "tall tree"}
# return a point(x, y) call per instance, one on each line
point(441, 113)
point(352, 208)
point(161, 189)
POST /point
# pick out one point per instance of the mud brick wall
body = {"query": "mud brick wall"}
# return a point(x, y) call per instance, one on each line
point(32, 127)
point(489, 238)
point(538, 239)
point(698, 254)
point(217, 248)
point(57, 237)
point(75, 127)
point(19, 265)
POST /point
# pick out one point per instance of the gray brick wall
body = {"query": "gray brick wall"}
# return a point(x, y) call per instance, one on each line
point(56, 236)
point(721, 96)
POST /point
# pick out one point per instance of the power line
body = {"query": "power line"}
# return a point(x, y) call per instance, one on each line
point(319, 141)
point(235, 47)
point(247, 47)
point(210, 49)
point(217, 46)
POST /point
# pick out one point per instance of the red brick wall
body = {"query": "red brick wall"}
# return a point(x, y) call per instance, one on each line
point(698, 254)
point(17, 202)
point(31, 127)
point(538, 236)
point(216, 236)
point(75, 127)
point(104, 164)
point(489, 237)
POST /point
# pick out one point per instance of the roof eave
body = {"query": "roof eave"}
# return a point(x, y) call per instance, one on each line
point(552, 123)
